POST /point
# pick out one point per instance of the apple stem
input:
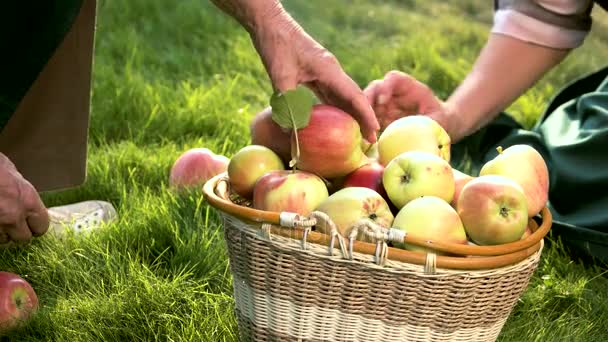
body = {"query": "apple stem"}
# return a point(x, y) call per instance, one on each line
point(294, 160)
point(499, 149)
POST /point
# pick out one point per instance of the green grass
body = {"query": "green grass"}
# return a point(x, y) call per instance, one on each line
point(170, 75)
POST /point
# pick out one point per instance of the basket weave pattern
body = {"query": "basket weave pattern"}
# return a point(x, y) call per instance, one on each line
point(285, 293)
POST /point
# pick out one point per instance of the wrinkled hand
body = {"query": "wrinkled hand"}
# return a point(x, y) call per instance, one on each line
point(292, 57)
point(22, 212)
point(399, 94)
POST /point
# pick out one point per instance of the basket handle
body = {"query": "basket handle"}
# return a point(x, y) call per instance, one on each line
point(217, 193)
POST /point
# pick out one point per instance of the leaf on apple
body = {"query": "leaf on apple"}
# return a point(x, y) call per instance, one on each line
point(291, 109)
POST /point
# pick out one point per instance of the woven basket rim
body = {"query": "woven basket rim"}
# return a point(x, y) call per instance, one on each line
point(217, 193)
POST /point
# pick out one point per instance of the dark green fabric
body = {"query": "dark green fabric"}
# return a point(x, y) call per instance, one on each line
point(572, 136)
point(30, 31)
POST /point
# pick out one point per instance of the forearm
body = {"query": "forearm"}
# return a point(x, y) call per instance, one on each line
point(254, 15)
point(504, 70)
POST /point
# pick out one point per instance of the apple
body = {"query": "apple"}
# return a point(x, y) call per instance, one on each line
point(289, 190)
point(413, 133)
point(18, 301)
point(493, 210)
point(430, 218)
point(248, 164)
point(413, 174)
point(460, 180)
point(350, 205)
point(524, 165)
point(266, 132)
point(330, 145)
point(370, 149)
point(196, 166)
point(368, 176)
point(527, 233)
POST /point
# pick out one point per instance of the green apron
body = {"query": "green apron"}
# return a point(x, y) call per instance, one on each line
point(572, 136)
point(30, 32)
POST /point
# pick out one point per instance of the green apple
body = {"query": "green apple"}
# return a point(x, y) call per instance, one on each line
point(290, 191)
point(493, 210)
point(524, 165)
point(413, 174)
point(248, 164)
point(430, 218)
point(350, 205)
point(413, 133)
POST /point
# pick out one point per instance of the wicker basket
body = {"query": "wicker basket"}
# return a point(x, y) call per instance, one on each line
point(294, 284)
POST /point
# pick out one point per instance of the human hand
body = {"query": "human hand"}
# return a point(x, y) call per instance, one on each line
point(399, 94)
point(291, 57)
point(22, 212)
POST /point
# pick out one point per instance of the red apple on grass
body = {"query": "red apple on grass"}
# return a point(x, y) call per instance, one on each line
point(266, 132)
point(18, 301)
point(350, 205)
point(493, 210)
point(460, 180)
point(413, 133)
point(430, 218)
point(330, 145)
point(248, 164)
point(196, 166)
point(413, 174)
point(288, 190)
point(524, 165)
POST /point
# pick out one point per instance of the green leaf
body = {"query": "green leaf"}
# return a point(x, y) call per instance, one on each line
point(292, 108)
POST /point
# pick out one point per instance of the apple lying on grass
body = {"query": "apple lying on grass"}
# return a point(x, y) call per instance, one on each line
point(248, 164)
point(430, 218)
point(413, 133)
point(18, 301)
point(524, 165)
point(413, 174)
point(493, 210)
point(196, 166)
point(289, 190)
point(266, 132)
point(331, 143)
point(350, 205)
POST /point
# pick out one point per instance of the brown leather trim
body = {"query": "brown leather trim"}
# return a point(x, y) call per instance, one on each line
point(47, 136)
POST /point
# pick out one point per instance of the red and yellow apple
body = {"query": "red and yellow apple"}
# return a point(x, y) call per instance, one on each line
point(18, 301)
point(330, 145)
point(413, 133)
point(524, 165)
point(290, 191)
point(266, 132)
point(248, 164)
point(350, 205)
point(430, 218)
point(195, 167)
point(460, 180)
point(414, 174)
point(493, 210)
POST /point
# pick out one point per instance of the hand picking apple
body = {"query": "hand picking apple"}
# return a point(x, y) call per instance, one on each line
point(18, 301)
point(398, 95)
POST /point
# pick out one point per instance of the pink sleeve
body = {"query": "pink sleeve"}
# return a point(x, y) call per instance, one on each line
point(562, 24)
